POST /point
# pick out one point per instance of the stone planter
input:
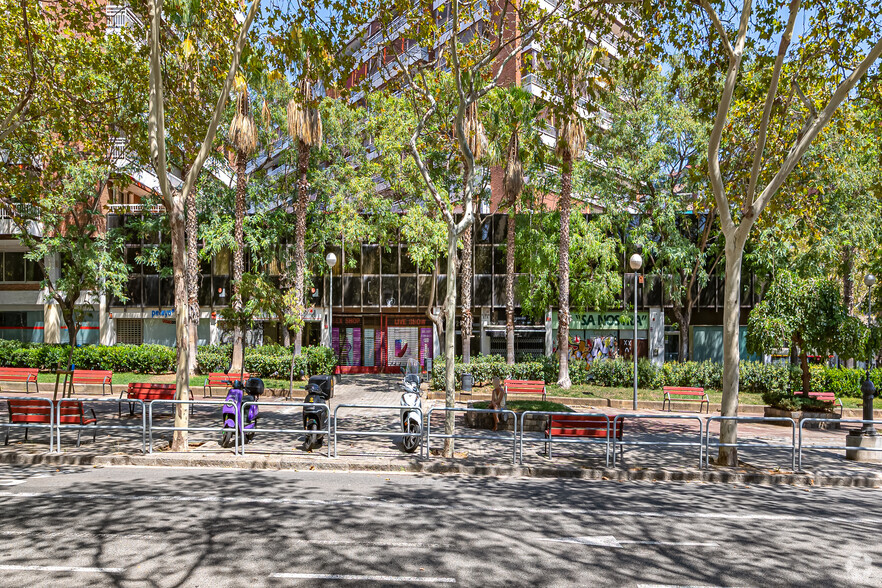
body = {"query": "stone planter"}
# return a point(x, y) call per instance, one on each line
point(797, 415)
point(482, 420)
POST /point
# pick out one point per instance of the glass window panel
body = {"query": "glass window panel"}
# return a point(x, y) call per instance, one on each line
point(498, 290)
point(204, 290)
point(370, 259)
point(353, 260)
point(425, 286)
point(390, 260)
point(407, 264)
point(133, 291)
point(151, 291)
point(484, 232)
point(220, 295)
point(352, 291)
point(371, 291)
point(483, 289)
point(14, 267)
point(483, 259)
point(167, 292)
point(390, 291)
point(408, 291)
point(499, 260)
point(500, 222)
point(222, 263)
point(33, 273)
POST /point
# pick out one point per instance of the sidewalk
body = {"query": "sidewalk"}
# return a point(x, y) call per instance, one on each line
point(490, 453)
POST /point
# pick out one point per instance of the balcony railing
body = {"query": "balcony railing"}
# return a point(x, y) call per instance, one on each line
point(135, 208)
point(28, 211)
point(121, 16)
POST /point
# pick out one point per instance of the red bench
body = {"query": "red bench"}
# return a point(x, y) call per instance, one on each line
point(824, 397)
point(26, 375)
point(689, 394)
point(102, 377)
point(524, 387)
point(582, 426)
point(37, 412)
point(148, 392)
point(220, 380)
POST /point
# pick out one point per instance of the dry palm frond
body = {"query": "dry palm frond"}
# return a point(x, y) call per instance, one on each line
point(243, 131)
point(304, 121)
point(571, 137)
point(266, 114)
point(513, 179)
point(476, 137)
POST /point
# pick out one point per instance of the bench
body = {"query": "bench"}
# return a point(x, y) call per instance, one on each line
point(102, 377)
point(219, 380)
point(37, 412)
point(26, 375)
point(688, 394)
point(148, 392)
point(524, 387)
point(824, 397)
point(582, 426)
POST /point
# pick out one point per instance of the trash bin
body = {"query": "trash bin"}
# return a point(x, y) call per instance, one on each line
point(467, 382)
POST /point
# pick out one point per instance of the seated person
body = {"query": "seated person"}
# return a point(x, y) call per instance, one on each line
point(497, 402)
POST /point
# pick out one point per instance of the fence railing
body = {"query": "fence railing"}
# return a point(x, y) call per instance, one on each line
point(801, 446)
point(550, 439)
point(97, 426)
point(326, 432)
point(513, 438)
point(749, 419)
point(663, 443)
point(219, 429)
point(363, 433)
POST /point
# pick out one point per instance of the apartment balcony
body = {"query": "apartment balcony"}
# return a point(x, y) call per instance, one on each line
point(8, 226)
point(120, 16)
point(391, 69)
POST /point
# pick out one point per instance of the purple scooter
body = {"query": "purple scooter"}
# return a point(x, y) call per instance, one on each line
point(237, 397)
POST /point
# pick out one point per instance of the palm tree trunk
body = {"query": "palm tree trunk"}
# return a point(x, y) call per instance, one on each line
point(466, 295)
point(563, 328)
point(509, 285)
point(192, 275)
point(239, 258)
point(300, 235)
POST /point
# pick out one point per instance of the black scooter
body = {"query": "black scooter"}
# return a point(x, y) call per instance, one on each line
point(319, 390)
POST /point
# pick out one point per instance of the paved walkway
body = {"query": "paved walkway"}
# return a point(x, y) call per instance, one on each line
point(487, 448)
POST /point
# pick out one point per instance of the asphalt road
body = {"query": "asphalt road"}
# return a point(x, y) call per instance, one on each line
point(203, 527)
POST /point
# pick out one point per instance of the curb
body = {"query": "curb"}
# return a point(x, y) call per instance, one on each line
point(439, 466)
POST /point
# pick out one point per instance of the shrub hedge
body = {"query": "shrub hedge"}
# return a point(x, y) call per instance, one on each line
point(774, 380)
point(266, 361)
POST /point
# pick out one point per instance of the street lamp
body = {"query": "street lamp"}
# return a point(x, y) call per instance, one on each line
point(636, 263)
point(868, 390)
point(331, 260)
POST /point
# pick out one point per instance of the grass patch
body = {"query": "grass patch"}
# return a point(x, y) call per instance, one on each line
point(525, 405)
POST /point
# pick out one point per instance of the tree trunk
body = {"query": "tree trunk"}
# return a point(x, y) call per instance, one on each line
point(683, 319)
point(176, 217)
point(450, 340)
point(509, 286)
point(300, 237)
point(728, 456)
point(466, 294)
point(563, 314)
point(804, 368)
point(192, 275)
point(848, 288)
point(72, 329)
point(239, 259)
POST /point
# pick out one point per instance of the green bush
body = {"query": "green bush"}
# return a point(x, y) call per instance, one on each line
point(484, 368)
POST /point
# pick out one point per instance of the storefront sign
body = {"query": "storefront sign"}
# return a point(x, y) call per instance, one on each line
point(604, 321)
point(162, 314)
point(408, 321)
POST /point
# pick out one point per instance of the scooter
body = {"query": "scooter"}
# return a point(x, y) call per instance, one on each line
point(319, 390)
point(238, 395)
point(411, 408)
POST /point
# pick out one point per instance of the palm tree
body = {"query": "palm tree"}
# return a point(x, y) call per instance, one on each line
point(512, 184)
point(305, 128)
point(570, 143)
point(243, 138)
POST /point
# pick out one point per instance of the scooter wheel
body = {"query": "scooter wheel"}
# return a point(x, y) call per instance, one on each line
point(312, 439)
point(249, 437)
point(227, 439)
point(410, 443)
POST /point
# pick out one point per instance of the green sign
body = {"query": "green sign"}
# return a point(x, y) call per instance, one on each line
point(604, 321)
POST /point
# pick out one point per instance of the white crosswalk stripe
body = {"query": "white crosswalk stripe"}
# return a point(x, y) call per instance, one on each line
point(13, 475)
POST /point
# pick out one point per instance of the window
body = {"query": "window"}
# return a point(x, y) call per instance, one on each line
point(13, 267)
point(129, 331)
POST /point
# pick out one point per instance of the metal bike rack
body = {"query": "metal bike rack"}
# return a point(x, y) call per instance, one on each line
point(550, 440)
point(326, 432)
point(750, 419)
point(513, 438)
point(838, 447)
point(220, 429)
point(50, 426)
point(387, 433)
point(85, 402)
point(699, 444)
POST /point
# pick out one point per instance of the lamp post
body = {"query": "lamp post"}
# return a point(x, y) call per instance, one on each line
point(868, 390)
point(331, 260)
point(636, 263)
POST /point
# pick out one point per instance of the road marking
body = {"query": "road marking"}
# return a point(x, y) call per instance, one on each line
point(610, 541)
point(364, 578)
point(12, 568)
point(410, 505)
point(678, 586)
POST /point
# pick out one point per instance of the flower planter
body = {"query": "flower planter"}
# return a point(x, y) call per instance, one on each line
point(798, 415)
